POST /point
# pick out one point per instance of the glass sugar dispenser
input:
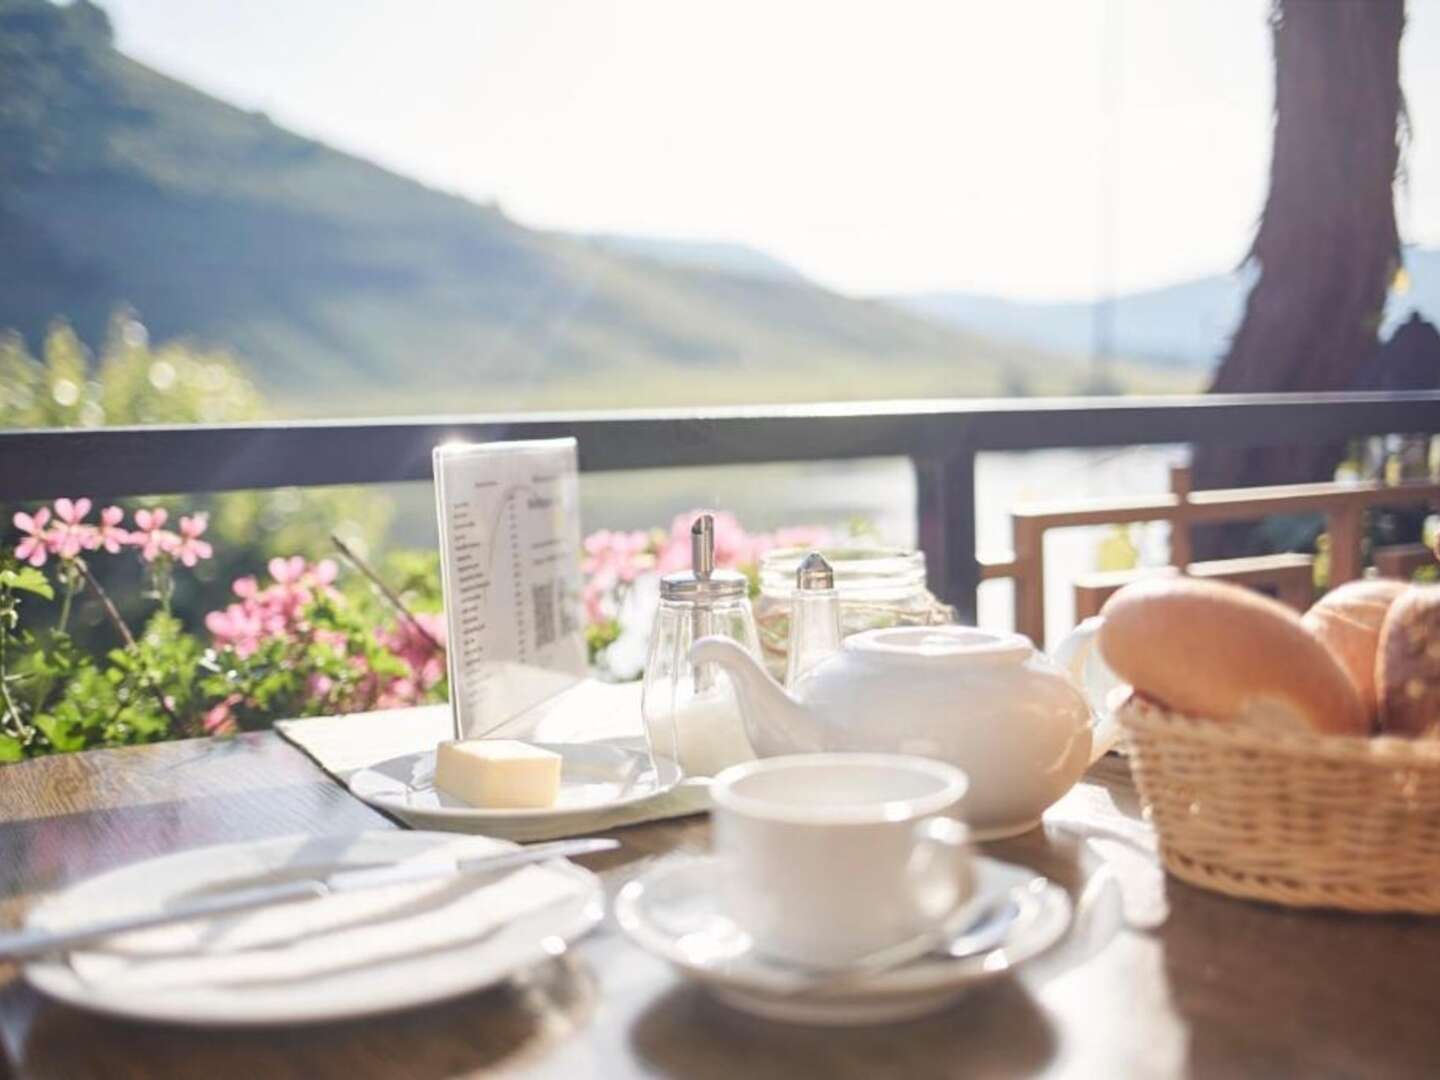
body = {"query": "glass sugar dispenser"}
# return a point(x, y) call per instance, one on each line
point(691, 712)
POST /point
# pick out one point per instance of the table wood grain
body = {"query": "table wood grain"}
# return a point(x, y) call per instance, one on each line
point(1156, 979)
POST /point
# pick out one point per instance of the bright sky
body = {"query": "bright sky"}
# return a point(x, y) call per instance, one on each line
point(878, 147)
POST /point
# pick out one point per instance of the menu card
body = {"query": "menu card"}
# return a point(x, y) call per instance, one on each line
point(510, 564)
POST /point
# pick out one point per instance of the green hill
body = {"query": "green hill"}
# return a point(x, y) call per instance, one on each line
point(348, 288)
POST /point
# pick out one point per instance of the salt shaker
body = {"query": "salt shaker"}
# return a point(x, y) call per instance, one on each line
point(691, 713)
point(814, 617)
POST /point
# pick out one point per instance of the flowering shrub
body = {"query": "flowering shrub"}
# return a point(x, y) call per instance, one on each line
point(622, 579)
point(294, 646)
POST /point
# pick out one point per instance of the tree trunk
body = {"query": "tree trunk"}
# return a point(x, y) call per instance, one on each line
point(1327, 246)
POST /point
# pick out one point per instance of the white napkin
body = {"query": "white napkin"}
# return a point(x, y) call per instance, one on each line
point(312, 938)
point(589, 712)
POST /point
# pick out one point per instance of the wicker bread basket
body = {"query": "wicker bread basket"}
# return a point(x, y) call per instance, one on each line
point(1298, 819)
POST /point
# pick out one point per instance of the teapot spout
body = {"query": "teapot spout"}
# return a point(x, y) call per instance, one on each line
point(775, 723)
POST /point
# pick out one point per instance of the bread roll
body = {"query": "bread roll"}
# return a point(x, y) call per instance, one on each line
point(1225, 653)
point(1347, 621)
point(1408, 669)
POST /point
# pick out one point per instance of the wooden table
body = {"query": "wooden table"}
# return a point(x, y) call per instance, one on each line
point(1157, 978)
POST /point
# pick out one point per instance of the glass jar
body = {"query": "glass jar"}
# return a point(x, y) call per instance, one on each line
point(878, 587)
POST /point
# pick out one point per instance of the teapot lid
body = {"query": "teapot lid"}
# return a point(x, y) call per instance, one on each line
point(940, 643)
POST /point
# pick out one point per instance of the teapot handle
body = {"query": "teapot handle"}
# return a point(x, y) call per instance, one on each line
point(1077, 657)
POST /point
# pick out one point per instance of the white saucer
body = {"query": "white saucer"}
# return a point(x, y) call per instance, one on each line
point(595, 777)
point(675, 912)
point(400, 982)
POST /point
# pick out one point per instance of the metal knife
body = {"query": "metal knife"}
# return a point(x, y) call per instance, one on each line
point(32, 942)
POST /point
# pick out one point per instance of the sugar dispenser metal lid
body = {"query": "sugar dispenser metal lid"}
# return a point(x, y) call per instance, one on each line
point(703, 584)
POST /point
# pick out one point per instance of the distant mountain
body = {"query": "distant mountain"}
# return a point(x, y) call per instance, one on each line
point(1185, 326)
point(740, 260)
point(349, 288)
point(1181, 326)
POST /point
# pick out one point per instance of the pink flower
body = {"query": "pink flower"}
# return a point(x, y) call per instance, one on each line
point(238, 626)
point(278, 610)
point(38, 542)
point(189, 548)
point(71, 535)
point(108, 534)
point(622, 556)
point(153, 539)
point(72, 511)
point(595, 594)
point(611, 562)
point(220, 719)
point(149, 520)
point(287, 571)
point(425, 661)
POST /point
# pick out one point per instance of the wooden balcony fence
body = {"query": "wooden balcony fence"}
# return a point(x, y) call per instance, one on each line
point(1290, 577)
point(941, 439)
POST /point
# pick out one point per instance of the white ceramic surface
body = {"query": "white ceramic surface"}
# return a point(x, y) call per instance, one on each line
point(675, 912)
point(830, 857)
point(595, 778)
point(363, 990)
point(1015, 723)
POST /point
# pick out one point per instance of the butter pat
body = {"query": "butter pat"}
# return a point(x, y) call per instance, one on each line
point(498, 774)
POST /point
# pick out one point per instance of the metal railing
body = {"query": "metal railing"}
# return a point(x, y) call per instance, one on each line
point(941, 439)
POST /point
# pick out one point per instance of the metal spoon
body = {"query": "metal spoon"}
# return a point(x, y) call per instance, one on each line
point(989, 927)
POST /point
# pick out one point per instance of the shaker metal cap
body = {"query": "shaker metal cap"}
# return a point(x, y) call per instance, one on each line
point(703, 584)
point(814, 574)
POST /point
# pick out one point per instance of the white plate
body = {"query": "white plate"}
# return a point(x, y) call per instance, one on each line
point(360, 991)
point(594, 778)
point(675, 912)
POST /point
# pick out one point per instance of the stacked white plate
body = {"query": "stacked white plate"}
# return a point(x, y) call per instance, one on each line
point(332, 958)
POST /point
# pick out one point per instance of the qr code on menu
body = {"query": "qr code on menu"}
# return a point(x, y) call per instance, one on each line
point(543, 603)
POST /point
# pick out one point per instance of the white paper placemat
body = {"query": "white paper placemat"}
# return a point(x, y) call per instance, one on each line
point(591, 712)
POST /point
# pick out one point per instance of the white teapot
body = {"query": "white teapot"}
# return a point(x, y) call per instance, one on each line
point(1012, 719)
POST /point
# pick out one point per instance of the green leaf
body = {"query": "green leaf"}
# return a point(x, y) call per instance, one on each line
point(27, 579)
point(10, 749)
point(62, 734)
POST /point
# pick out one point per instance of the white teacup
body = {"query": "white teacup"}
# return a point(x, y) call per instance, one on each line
point(831, 857)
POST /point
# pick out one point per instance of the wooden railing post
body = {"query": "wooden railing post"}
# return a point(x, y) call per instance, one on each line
point(945, 525)
point(1345, 526)
point(1181, 552)
point(1029, 536)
